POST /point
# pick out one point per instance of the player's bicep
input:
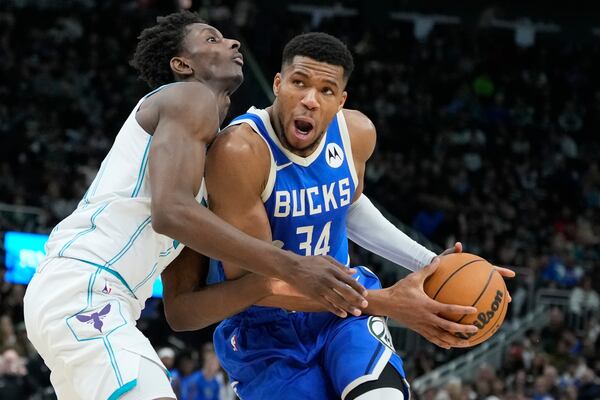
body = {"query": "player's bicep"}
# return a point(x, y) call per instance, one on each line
point(234, 180)
point(176, 161)
point(187, 121)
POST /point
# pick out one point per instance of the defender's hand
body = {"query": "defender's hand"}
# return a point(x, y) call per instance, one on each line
point(409, 304)
point(330, 283)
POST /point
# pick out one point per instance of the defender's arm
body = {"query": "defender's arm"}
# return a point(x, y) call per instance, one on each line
point(184, 119)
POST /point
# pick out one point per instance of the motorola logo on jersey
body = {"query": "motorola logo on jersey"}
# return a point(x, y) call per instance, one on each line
point(335, 155)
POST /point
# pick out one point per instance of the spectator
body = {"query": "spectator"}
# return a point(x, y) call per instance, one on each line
point(552, 333)
point(205, 384)
point(590, 386)
point(584, 300)
point(14, 382)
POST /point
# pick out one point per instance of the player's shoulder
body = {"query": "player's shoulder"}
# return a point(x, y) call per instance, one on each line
point(185, 96)
point(241, 143)
point(190, 103)
point(359, 126)
point(180, 91)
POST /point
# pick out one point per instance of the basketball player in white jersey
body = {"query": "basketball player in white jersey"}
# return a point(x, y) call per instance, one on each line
point(295, 174)
point(143, 206)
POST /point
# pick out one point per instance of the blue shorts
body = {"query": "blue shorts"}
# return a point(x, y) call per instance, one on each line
point(270, 353)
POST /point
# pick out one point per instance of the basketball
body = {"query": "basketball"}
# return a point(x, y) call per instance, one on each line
point(469, 280)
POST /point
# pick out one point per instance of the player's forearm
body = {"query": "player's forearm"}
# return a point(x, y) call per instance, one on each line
point(211, 304)
point(368, 228)
point(206, 233)
point(379, 302)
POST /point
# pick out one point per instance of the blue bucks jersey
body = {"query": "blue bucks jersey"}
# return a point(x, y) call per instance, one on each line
point(270, 353)
point(307, 198)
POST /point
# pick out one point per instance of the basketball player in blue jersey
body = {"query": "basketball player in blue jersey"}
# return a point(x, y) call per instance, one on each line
point(294, 176)
point(137, 215)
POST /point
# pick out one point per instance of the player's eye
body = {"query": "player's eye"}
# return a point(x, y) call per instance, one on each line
point(327, 91)
point(298, 83)
point(211, 39)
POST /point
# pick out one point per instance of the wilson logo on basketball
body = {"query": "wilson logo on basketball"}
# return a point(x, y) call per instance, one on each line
point(484, 318)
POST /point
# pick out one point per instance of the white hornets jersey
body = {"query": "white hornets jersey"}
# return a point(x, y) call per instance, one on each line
point(111, 228)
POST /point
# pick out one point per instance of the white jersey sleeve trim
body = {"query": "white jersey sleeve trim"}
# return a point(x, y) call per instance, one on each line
point(347, 146)
point(268, 190)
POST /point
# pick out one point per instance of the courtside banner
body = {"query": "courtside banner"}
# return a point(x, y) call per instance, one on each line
point(24, 251)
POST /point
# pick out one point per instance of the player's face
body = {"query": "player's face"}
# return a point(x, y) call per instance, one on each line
point(309, 94)
point(213, 57)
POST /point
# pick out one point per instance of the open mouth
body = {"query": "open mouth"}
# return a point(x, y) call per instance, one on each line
point(303, 127)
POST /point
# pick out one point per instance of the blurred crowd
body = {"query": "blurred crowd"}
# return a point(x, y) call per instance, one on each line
point(479, 140)
point(551, 363)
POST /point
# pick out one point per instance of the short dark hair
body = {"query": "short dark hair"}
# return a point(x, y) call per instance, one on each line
point(320, 47)
point(158, 44)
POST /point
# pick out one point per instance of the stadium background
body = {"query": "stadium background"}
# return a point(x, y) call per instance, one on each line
point(488, 118)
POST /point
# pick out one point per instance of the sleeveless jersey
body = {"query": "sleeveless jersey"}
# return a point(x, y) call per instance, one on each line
point(307, 198)
point(112, 225)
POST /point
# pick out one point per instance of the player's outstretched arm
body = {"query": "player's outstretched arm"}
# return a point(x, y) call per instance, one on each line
point(191, 305)
point(405, 301)
point(186, 120)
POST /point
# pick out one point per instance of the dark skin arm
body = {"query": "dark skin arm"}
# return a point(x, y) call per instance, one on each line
point(191, 305)
point(183, 119)
point(405, 301)
point(235, 196)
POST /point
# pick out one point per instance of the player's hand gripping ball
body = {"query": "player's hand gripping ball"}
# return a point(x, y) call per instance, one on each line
point(469, 280)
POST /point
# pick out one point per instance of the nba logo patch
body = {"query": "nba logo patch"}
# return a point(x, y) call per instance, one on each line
point(334, 155)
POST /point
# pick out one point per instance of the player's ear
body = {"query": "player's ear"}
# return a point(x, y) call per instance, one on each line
point(276, 83)
point(181, 67)
point(343, 100)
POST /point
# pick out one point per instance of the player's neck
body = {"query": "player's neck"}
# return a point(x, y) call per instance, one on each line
point(219, 87)
point(222, 92)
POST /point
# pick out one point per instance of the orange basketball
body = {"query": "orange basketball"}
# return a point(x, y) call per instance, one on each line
point(469, 280)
